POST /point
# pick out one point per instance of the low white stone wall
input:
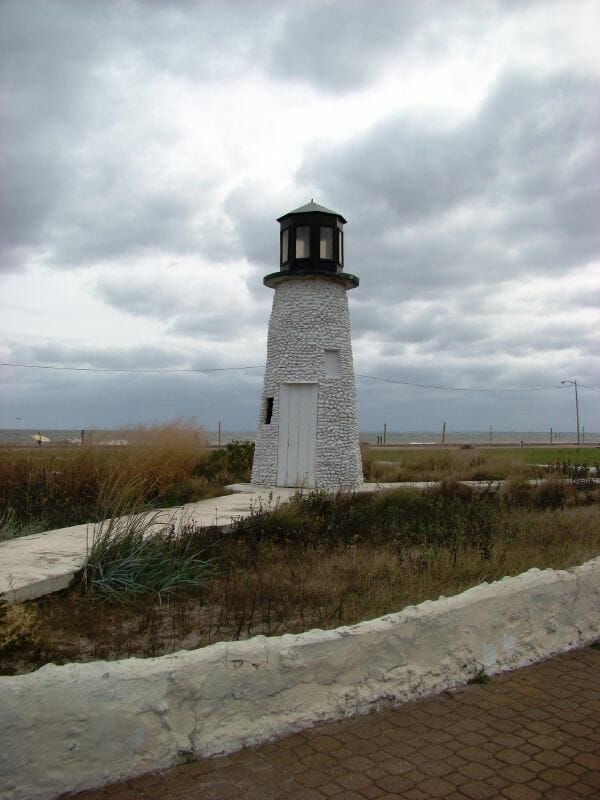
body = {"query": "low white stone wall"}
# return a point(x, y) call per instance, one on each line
point(83, 725)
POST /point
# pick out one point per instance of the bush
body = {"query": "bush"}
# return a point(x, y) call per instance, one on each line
point(232, 464)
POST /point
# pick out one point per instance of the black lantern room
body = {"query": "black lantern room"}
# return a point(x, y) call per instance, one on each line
point(311, 242)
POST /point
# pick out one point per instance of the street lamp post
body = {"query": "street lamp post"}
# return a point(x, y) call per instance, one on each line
point(574, 383)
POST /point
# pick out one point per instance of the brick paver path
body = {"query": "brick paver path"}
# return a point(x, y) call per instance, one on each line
point(528, 734)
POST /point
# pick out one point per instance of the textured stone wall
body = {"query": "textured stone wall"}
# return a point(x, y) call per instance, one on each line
point(83, 725)
point(310, 315)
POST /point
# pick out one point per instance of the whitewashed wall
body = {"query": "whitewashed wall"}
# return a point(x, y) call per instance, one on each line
point(310, 315)
point(83, 725)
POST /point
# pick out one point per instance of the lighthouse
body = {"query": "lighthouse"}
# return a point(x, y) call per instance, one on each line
point(307, 433)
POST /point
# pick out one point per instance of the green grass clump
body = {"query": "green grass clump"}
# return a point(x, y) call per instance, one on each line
point(137, 555)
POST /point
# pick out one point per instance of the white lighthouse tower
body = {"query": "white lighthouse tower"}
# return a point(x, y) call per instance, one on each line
point(307, 433)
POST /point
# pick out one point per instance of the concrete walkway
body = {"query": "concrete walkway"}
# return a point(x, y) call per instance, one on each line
point(31, 566)
point(531, 734)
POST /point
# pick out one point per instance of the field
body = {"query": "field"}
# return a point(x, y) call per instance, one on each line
point(478, 463)
point(319, 561)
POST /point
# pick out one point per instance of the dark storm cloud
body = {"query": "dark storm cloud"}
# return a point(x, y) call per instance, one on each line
point(522, 178)
point(340, 47)
point(143, 297)
point(343, 46)
point(60, 354)
point(187, 308)
point(93, 399)
point(219, 324)
point(81, 164)
point(79, 183)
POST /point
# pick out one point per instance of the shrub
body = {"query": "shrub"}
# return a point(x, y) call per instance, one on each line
point(232, 464)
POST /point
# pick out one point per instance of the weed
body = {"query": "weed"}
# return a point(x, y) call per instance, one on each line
point(480, 678)
point(19, 625)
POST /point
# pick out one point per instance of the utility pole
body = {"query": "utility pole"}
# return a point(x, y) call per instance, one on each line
point(444, 433)
point(574, 383)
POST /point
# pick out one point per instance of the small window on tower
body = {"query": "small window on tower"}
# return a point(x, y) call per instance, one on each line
point(326, 242)
point(340, 248)
point(332, 363)
point(303, 241)
point(285, 246)
point(269, 411)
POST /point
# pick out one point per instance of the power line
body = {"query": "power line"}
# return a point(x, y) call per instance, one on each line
point(130, 369)
point(458, 388)
point(261, 366)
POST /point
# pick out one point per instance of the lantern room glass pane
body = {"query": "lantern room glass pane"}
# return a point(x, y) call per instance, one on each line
point(326, 242)
point(285, 246)
point(303, 241)
point(340, 247)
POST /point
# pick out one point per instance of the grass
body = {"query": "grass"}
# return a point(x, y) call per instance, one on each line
point(42, 488)
point(320, 561)
point(483, 464)
point(138, 557)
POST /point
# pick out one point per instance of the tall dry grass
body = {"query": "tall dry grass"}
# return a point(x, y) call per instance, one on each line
point(45, 488)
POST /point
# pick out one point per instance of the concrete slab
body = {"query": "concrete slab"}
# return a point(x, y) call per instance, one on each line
point(31, 566)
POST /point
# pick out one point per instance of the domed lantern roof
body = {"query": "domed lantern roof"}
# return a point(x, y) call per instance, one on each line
point(311, 242)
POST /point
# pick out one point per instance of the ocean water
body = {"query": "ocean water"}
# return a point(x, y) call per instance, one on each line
point(10, 436)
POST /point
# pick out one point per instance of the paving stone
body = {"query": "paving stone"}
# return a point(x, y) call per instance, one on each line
point(414, 794)
point(593, 778)
point(561, 793)
point(395, 783)
point(520, 792)
point(330, 789)
point(512, 756)
point(558, 777)
point(436, 787)
point(553, 758)
point(353, 780)
point(477, 771)
point(479, 790)
point(518, 775)
point(370, 792)
point(545, 742)
point(582, 790)
point(589, 760)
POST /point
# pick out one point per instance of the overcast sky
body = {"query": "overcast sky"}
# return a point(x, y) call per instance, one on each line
point(148, 147)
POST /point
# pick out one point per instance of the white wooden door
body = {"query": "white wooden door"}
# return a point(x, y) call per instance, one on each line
point(297, 434)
